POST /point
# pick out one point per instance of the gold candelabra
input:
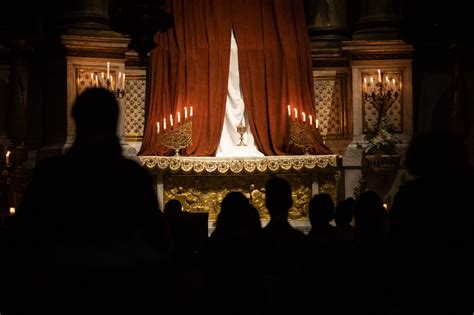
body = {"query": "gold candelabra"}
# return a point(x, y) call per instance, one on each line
point(241, 129)
point(108, 80)
point(177, 138)
point(303, 136)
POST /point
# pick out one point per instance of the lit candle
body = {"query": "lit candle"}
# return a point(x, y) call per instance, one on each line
point(118, 80)
point(304, 116)
point(310, 120)
point(385, 206)
point(12, 210)
point(102, 75)
point(108, 70)
point(179, 117)
point(371, 80)
point(157, 127)
point(171, 120)
point(386, 79)
point(380, 75)
point(289, 111)
point(191, 111)
point(7, 158)
point(317, 123)
point(123, 81)
point(185, 113)
point(164, 123)
point(393, 83)
point(296, 113)
point(365, 85)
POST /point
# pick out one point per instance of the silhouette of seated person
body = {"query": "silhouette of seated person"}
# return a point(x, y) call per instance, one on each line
point(234, 258)
point(89, 234)
point(283, 248)
point(320, 260)
point(343, 217)
point(431, 228)
point(178, 226)
point(370, 254)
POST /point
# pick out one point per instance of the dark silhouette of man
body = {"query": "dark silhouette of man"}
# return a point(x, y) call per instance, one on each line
point(89, 234)
point(283, 250)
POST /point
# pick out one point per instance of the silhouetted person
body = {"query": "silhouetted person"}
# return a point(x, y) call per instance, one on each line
point(176, 220)
point(370, 255)
point(234, 259)
point(90, 237)
point(343, 216)
point(283, 250)
point(431, 229)
point(320, 260)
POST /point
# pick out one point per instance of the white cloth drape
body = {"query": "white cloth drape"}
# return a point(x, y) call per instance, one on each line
point(234, 114)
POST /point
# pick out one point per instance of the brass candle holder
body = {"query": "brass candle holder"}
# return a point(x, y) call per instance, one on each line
point(241, 129)
point(177, 138)
point(302, 135)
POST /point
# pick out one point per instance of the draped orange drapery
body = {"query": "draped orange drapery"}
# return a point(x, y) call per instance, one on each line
point(190, 67)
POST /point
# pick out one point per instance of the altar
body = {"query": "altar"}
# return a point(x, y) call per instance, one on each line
point(200, 183)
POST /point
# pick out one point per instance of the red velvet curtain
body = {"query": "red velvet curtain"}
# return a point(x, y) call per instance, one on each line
point(190, 67)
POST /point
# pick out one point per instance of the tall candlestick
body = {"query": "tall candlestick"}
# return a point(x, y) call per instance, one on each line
point(179, 117)
point(289, 110)
point(191, 111)
point(310, 120)
point(164, 123)
point(304, 116)
point(317, 123)
point(108, 69)
point(171, 120)
point(185, 113)
point(157, 127)
point(7, 158)
point(380, 75)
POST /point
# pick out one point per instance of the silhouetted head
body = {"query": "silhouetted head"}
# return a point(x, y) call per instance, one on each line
point(278, 198)
point(321, 209)
point(173, 208)
point(369, 212)
point(95, 113)
point(237, 217)
point(345, 211)
point(429, 153)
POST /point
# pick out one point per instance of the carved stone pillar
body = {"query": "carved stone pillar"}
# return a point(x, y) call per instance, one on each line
point(378, 19)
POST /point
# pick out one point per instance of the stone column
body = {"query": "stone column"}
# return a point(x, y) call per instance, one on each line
point(328, 22)
point(378, 19)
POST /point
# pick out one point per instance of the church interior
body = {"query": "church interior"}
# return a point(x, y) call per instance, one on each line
point(49, 55)
point(221, 96)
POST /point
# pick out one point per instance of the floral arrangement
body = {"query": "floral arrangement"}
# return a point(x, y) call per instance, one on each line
point(380, 140)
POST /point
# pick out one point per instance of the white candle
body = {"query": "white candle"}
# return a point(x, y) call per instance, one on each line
point(393, 83)
point(157, 127)
point(380, 75)
point(7, 158)
point(102, 75)
point(296, 113)
point(123, 81)
point(317, 123)
point(185, 113)
point(304, 116)
point(118, 80)
point(179, 117)
point(191, 111)
point(289, 110)
point(310, 120)
point(164, 123)
point(365, 85)
point(386, 79)
point(371, 80)
point(12, 210)
point(108, 70)
point(171, 120)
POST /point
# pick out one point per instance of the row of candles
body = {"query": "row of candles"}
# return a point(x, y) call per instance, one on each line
point(109, 79)
point(389, 83)
point(303, 115)
point(178, 117)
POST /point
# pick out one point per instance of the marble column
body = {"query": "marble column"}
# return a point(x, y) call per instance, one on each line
point(378, 19)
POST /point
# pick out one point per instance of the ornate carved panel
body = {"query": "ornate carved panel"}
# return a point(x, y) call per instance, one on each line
point(135, 108)
point(204, 193)
point(330, 105)
point(395, 114)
